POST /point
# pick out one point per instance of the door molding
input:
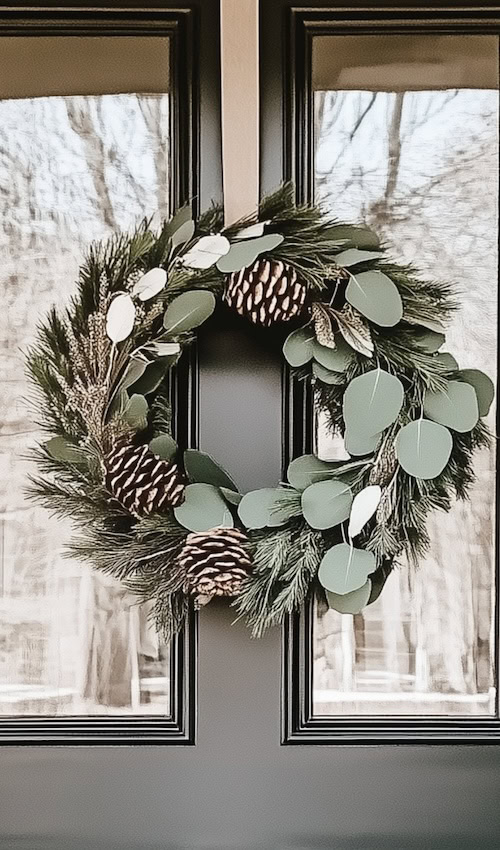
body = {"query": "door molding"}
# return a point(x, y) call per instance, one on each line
point(182, 26)
point(288, 145)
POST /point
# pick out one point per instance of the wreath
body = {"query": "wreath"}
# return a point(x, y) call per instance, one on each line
point(170, 524)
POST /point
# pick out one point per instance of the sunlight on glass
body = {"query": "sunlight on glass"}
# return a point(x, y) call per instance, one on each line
point(420, 166)
point(72, 169)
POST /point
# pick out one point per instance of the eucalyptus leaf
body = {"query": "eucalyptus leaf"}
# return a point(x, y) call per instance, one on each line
point(336, 359)
point(357, 443)
point(364, 505)
point(203, 508)
point(354, 236)
point(377, 297)
point(164, 349)
point(153, 375)
point(483, 385)
point(164, 446)
point(353, 256)
point(202, 468)
point(62, 449)
point(447, 361)
point(456, 406)
point(423, 448)
point(309, 469)
point(135, 369)
point(326, 376)
point(231, 496)
point(136, 413)
point(120, 317)
point(350, 603)
point(206, 251)
point(244, 253)
point(326, 504)
point(430, 341)
point(345, 568)
point(378, 580)
point(431, 324)
point(184, 233)
point(372, 402)
point(188, 311)
point(252, 231)
point(150, 284)
point(255, 507)
point(298, 346)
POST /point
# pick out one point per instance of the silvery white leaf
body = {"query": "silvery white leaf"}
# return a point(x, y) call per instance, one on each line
point(206, 251)
point(364, 505)
point(252, 230)
point(150, 284)
point(164, 349)
point(120, 318)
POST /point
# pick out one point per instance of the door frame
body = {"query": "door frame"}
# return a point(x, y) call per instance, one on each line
point(193, 33)
point(287, 152)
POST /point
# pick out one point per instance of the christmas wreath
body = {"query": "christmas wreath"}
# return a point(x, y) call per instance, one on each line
point(170, 524)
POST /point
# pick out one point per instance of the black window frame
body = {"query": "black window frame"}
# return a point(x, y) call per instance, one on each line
point(287, 152)
point(194, 104)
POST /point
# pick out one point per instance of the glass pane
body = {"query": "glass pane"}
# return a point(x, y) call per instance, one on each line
point(406, 140)
point(73, 168)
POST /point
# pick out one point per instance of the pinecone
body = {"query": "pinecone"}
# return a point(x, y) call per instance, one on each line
point(141, 481)
point(267, 292)
point(215, 563)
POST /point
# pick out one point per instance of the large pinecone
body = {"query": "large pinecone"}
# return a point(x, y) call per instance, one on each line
point(215, 563)
point(267, 292)
point(141, 481)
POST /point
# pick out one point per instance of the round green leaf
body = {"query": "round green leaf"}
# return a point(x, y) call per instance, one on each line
point(243, 254)
point(62, 449)
point(357, 443)
point(372, 402)
point(376, 297)
point(337, 359)
point(354, 236)
point(309, 469)
point(136, 413)
point(202, 468)
point(203, 508)
point(378, 580)
point(447, 361)
point(231, 496)
point(350, 603)
point(184, 232)
point(344, 568)
point(164, 446)
point(423, 448)
point(135, 369)
point(298, 347)
point(153, 375)
point(326, 503)
point(456, 406)
point(430, 340)
point(189, 310)
point(254, 509)
point(483, 385)
point(353, 256)
point(326, 376)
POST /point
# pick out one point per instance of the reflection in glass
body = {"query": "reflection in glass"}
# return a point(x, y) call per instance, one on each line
point(420, 165)
point(72, 169)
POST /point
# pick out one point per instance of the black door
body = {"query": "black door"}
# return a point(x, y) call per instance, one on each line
point(258, 751)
